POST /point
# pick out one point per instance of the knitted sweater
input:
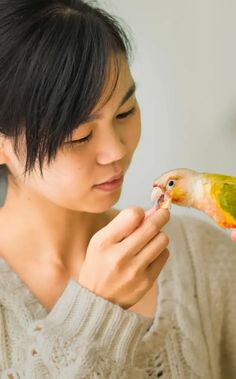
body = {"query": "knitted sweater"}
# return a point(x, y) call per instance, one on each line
point(193, 333)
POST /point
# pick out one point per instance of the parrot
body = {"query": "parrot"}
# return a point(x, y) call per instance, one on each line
point(213, 194)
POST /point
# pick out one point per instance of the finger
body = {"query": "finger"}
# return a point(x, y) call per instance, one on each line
point(149, 212)
point(152, 250)
point(123, 224)
point(155, 268)
point(149, 228)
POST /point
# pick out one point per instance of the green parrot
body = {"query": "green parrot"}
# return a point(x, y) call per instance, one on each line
point(214, 194)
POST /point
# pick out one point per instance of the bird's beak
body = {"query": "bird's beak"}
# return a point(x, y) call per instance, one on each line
point(160, 198)
point(156, 193)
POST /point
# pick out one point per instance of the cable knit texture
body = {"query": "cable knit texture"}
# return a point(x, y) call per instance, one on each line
point(192, 335)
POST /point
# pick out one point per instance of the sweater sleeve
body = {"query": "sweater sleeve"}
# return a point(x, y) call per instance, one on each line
point(84, 336)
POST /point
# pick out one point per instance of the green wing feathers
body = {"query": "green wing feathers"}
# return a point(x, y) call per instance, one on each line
point(227, 198)
point(224, 190)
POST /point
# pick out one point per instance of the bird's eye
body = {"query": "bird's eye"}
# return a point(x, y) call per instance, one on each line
point(170, 184)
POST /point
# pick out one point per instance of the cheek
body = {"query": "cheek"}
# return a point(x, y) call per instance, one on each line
point(63, 181)
point(132, 132)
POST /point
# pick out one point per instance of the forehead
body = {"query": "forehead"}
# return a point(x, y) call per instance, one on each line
point(165, 177)
point(118, 80)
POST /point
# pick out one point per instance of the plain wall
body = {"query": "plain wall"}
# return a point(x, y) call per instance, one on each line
point(185, 68)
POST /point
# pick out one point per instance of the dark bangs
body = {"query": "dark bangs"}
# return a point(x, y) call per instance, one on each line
point(54, 58)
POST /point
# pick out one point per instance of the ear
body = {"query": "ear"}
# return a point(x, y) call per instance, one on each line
point(3, 144)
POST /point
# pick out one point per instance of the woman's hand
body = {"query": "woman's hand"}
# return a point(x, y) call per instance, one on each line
point(125, 257)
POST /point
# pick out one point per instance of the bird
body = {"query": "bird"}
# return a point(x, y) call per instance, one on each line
point(213, 194)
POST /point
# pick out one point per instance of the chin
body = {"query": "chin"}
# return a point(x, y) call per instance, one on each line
point(107, 204)
point(104, 204)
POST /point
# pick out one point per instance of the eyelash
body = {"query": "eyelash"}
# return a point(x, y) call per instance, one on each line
point(120, 116)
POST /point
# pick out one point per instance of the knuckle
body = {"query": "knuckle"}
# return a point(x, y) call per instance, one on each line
point(146, 283)
point(131, 274)
point(101, 243)
point(136, 212)
point(117, 263)
point(115, 268)
point(154, 225)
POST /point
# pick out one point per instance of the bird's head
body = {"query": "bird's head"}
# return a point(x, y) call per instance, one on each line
point(174, 186)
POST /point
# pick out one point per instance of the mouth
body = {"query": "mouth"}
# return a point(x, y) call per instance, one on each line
point(112, 179)
point(160, 199)
point(111, 185)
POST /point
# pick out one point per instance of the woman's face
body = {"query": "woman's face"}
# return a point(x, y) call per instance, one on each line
point(99, 149)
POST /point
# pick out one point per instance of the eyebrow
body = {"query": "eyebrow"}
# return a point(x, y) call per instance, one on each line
point(128, 94)
point(97, 116)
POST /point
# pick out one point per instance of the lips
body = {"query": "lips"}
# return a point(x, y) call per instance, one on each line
point(116, 177)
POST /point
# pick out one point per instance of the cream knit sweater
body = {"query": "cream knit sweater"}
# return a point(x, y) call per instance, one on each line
point(193, 333)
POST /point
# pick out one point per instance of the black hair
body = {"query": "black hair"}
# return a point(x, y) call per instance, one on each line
point(54, 57)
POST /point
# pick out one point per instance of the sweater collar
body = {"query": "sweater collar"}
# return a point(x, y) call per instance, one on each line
point(15, 294)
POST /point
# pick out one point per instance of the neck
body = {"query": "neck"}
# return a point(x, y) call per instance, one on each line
point(201, 194)
point(34, 228)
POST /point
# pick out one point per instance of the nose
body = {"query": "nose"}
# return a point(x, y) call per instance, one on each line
point(111, 147)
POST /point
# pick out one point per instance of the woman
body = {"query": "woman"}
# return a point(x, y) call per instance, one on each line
point(86, 290)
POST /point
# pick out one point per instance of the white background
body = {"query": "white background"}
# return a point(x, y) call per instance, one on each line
point(185, 68)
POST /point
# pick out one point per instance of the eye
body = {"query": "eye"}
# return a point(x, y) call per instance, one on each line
point(80, 141)
point(170, 184)
point(126, 114)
